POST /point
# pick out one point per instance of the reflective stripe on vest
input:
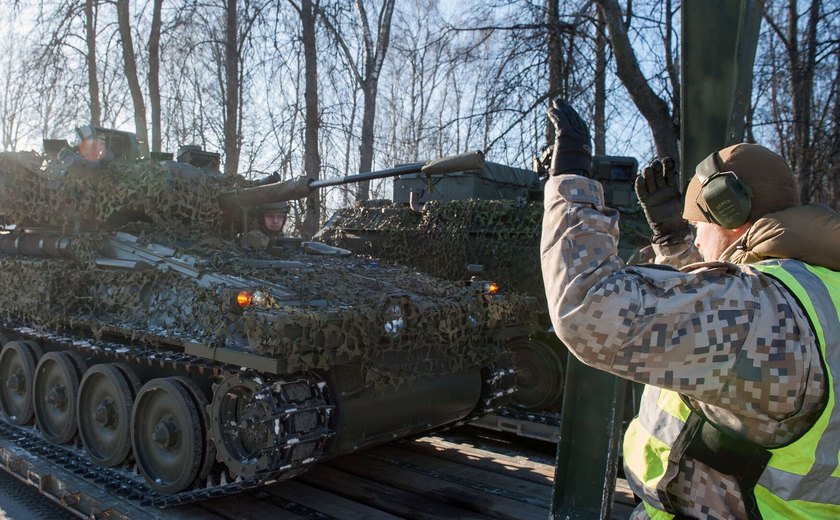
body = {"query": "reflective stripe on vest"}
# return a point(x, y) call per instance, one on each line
point(662, 415)
point(802, 480)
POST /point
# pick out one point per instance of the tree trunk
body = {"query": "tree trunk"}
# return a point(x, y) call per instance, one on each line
point(673, 68)
point(231, 112)
point(599, 120)
point(130, 68)
point(366, 145)
point(311, 155)
point(348, 142)
point(374, 58)
point(93, 81)
point(802, 64)
point(554, 57)
point(154, 74)
point(653, 109)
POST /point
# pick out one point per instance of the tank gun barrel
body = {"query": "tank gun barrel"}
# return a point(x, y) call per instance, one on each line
point(302, 186)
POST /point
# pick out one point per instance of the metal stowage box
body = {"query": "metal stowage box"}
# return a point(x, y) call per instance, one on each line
point(492, 181)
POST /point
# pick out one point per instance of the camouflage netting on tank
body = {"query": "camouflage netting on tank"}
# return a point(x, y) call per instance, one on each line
point(446, 236)
point(319, 311)
point(178, 202)
point(444, 328)
point(54, 294)
point(344, 309)
point(501, 235)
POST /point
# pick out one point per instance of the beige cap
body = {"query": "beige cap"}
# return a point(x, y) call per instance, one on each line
point(765, 172)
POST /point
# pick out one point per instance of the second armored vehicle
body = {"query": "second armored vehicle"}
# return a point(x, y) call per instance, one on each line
point(485, 221)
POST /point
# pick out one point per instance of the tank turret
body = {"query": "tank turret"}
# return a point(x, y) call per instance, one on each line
point(136, 324)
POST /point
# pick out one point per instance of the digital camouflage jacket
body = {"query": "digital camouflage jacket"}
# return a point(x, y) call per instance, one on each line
point(730, 339)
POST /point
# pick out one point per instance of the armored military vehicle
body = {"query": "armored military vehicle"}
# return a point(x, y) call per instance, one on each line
point(485, 221)
point(140, 334)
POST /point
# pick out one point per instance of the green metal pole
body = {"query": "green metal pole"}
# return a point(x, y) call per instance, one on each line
point(718, 44)
point(590, 437)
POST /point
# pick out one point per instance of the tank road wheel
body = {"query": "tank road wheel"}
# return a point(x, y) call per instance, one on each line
point(166, 435)
point(54, 392)
point(202, 405)
point(78, 361)
point(17, 370)
point(106, 396)
point(539, 377)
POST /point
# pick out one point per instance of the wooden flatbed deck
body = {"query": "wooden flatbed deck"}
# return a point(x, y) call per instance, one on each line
point(428, 478)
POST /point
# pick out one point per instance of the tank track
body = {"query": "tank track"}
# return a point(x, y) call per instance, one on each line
point(547, 418)
point(129, 483)
point(498, 383)
point(119, 482)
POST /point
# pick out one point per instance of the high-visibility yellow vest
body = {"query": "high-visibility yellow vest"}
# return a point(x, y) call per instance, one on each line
point(800, 479)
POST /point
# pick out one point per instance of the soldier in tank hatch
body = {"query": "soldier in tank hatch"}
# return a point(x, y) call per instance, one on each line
point(740, 352)
point(267, 226)
point(273, 218)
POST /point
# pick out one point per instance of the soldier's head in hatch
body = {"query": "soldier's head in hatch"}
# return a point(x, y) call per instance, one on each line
point(273, 217)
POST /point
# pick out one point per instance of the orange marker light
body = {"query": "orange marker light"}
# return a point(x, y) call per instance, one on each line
point(492, 288)
point(244, 298)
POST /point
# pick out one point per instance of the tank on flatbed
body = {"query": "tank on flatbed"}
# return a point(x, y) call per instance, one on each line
point(138, 327)
point(486, 222)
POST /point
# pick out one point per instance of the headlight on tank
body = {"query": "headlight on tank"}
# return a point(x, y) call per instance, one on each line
point(394, 315)
point(484, 286)
point(245, 299)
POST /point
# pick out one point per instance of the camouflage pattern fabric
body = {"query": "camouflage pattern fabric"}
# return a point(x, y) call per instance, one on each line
point(175, 199)
point(446, 236)
point(316, 312)
point(703, 333)
point(501, 235)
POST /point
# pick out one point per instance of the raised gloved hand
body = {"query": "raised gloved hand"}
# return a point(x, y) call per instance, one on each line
point(658, 189)
point(572, 148)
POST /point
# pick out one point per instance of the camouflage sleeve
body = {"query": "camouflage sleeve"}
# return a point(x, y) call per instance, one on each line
point(728, 338)
point(677, 255)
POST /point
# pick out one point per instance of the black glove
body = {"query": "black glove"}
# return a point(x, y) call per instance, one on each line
point(659, 193)
point(572, 149)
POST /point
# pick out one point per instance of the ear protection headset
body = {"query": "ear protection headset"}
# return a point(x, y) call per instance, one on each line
point(726, 200)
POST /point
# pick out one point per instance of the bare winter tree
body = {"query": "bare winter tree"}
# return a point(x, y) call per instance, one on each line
point(599, 122)
point(130, 69)
point(14, 81)
point(524, 53)
point(308, 12)
point(801, 64)
point(90, 58)
point(154, 74)
point(416, 77)
point(554, 59)
point(653, 108)
point(240, 76)
point(366, 73)
point(231, 115)
point(66, 30)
